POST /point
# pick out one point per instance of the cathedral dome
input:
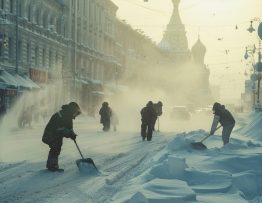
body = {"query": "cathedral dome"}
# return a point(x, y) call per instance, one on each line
point(198, 47)
point(198, 52)
point(165, 46)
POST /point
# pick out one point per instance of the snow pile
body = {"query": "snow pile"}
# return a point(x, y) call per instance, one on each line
point(167, 169)
point(253, 127)
point(228, 174)
point(183, 141)
point(172, 167)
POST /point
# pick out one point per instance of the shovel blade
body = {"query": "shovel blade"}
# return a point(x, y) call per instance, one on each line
point(198, 145)
point(86, 165)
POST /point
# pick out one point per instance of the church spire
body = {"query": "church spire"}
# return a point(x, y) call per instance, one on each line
point(174, 39)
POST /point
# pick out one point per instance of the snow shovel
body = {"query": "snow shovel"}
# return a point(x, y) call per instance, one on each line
point(84, 161)
point(200, 145)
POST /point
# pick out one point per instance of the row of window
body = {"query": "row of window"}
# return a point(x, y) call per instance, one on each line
point(11, 5)
point(29, 59)
point(36, 15)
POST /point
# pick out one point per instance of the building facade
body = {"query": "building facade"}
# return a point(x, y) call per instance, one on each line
point(33, 39)
point(91, 47)
point(78, 42)
point(41, 42)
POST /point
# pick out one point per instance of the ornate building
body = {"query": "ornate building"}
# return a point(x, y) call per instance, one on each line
point(39, 39)
point(33, 43)
point(92, 50)
point(201, 73)
point(174, 40)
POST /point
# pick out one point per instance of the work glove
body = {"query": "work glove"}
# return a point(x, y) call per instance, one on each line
point(73, 135)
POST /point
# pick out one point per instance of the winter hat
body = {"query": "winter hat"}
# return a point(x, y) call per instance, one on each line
point(105, 104)
point(71, 108)
point(150, 103)
point(216, 106)
point(74, 108)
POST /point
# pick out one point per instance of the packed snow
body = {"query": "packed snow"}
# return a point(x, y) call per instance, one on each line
point(165, 170)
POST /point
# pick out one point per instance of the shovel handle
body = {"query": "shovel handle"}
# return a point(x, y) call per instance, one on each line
point(78, 149)
point(209, 134)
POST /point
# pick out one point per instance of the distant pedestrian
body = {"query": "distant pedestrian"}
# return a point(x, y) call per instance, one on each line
point(149, 116)
point(225, 118)
point(105, 113)
point(158, 109)
point(59, 126)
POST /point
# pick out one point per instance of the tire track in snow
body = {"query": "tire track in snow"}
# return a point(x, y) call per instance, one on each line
point(127, 156)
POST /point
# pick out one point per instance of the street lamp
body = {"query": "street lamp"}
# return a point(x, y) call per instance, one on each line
point(257, 75)
point(16, 38)
point(251, 29)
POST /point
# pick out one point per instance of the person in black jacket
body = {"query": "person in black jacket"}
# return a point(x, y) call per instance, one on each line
point(149, 116)
point(105, 113)
point(225, 118)
point(59, 126)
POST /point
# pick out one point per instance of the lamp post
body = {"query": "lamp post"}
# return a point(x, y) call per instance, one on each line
point(257, 75)
point(16, 38)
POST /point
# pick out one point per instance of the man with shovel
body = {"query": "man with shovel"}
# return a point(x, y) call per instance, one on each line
point(59, 126)
point(225, 118)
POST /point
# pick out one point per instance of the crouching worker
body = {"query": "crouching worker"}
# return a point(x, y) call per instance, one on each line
point(59, 126)
point(225, 118)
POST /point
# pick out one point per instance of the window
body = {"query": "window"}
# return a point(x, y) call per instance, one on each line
point(36, 56)
point(1, 50)
point(20, 9)
point(28, 55)
point(11, 6)
point(29, 13)
point(45, 23)
point(37, 18)
point(10, 47)
point(58, 26)
point(19, 52)
point(56, 58)
point(50, 59)
point(2, 4)
point(43, 58)
point(84, 8)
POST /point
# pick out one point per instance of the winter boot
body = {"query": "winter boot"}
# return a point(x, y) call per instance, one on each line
point(52, 164)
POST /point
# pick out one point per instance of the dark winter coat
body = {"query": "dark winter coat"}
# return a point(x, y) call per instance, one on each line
point(60, 125)
point(226, 118)
point(105, 113)
point(148, 114)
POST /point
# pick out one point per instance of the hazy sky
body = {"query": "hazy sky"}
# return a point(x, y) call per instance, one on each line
point(215, 21)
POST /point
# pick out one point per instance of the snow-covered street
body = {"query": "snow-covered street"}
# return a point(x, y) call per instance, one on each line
point(166, 169)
